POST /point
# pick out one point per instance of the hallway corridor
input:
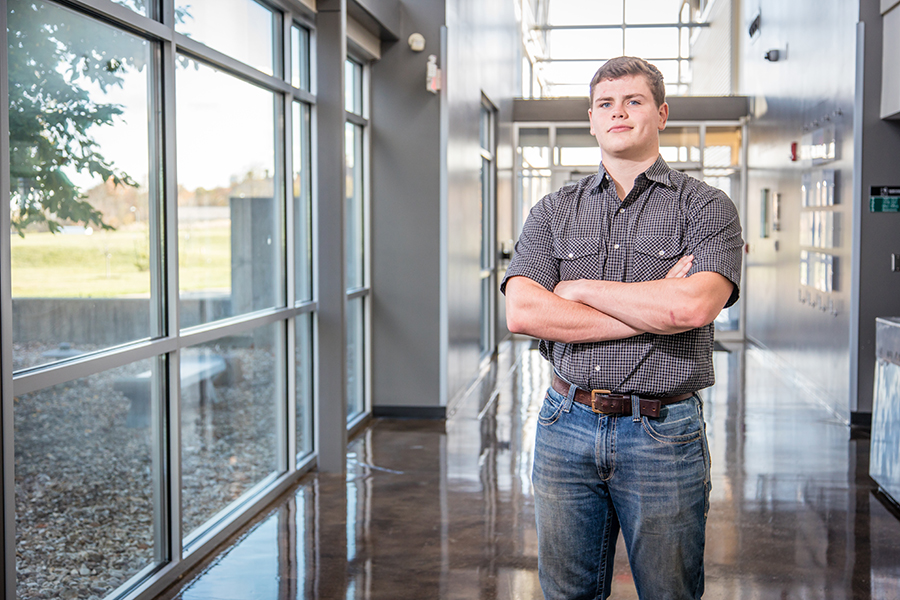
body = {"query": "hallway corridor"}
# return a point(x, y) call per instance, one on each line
point(443, 510)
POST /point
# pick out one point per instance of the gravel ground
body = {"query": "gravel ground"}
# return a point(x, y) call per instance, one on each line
point(84, 495)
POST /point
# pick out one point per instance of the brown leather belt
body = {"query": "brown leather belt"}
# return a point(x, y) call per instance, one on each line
point(606, 403)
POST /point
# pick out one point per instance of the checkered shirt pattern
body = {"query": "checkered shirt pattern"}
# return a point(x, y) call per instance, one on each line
point(583, 231)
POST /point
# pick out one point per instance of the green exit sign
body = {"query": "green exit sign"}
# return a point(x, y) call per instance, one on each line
point(884, 198)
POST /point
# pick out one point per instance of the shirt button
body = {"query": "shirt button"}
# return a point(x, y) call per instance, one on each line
point(615, 246)
point(571, 255)
point(662, 252)
point(621, 210)
point(597, 368)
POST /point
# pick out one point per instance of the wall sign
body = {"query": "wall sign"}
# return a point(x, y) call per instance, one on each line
point(884, 198)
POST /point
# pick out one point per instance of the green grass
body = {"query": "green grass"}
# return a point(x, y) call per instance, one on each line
point(113, 264)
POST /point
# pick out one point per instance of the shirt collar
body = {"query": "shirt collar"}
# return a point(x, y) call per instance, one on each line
point(658, 172)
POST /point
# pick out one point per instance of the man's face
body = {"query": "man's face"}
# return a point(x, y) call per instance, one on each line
point(625, 119)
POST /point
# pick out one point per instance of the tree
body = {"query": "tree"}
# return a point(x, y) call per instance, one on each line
point(52, 51)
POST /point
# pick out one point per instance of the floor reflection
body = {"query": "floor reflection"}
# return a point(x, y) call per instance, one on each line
point(444, 509)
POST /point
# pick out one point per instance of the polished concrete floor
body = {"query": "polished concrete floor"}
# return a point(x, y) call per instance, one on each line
point(444, 510)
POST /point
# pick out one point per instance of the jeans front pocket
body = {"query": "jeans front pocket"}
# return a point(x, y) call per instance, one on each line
point(551, 409)
point(678, 423)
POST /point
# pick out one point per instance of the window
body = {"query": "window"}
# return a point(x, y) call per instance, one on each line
point(82, 197)
point(228, 217)
point(355, 239)
point(301, 153)
point(488, 210)
point(229, 423)
point(243, 29)
point(300, 57)
point(577, 38)
point(161, 281)
point(86, 473)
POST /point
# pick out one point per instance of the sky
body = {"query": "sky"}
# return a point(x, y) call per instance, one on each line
point(224, 127)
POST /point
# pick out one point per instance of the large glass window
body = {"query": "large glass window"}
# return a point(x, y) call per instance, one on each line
point(353, 87)
point(86, 482)
point(488, 210)
point(303, 247)
point(243, 29)
point(229, 422)
point(356, 358)
point(557, 154)
point(302, 202)
point(81, 194)
point(355, 238)
point(300, 57)
point(229, 243)
point(578, 37)
point(148, 196)
point(304, 391)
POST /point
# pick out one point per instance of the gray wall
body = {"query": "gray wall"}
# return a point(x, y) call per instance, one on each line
point(878, 233)
point(414, 338)
point(483, 51)
point(814, 82)
point(405, 221)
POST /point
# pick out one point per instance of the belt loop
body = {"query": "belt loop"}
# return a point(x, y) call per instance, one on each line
point(570, 398)
point(635, 408)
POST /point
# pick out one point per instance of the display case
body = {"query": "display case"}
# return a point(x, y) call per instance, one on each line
point(884, 461)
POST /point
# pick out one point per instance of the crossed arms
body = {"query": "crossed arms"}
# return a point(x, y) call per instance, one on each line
point(587, 310)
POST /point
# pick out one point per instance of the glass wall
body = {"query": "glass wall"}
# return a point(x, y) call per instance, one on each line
point(87, 482)
point(230, 401)
point(82, 197)
point(551, 155)
point(303, 251)
point(229, 241)
point(488, 226)
point(160, 293)
point(572, 40)
point(243, 29)
point(355, 241)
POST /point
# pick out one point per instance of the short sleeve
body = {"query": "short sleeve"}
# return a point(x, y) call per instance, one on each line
point(533, 254)
point(714, 236)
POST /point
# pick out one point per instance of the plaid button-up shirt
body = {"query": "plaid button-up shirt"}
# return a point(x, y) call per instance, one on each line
point(583, 231)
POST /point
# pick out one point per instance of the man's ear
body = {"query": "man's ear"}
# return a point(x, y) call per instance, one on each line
point(663, 115)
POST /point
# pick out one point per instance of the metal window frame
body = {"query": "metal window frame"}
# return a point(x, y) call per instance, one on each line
point(689, 26)
point(7, 448)
point(169, 339)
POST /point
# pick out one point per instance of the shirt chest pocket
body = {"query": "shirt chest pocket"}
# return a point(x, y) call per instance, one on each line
point(654, 256)
point(579, 257)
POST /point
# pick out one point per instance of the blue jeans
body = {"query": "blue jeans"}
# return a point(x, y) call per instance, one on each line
point(594, 474)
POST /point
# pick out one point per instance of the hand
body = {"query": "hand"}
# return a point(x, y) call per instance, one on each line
point(681, 268)
point(568, 290)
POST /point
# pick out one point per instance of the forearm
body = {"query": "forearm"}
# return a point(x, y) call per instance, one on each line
point(534, 311)
point(665, 306)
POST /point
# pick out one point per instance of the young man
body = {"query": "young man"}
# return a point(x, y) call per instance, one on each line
point(621, 276)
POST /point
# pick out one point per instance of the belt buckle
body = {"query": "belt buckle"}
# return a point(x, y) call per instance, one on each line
point(594, 400)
